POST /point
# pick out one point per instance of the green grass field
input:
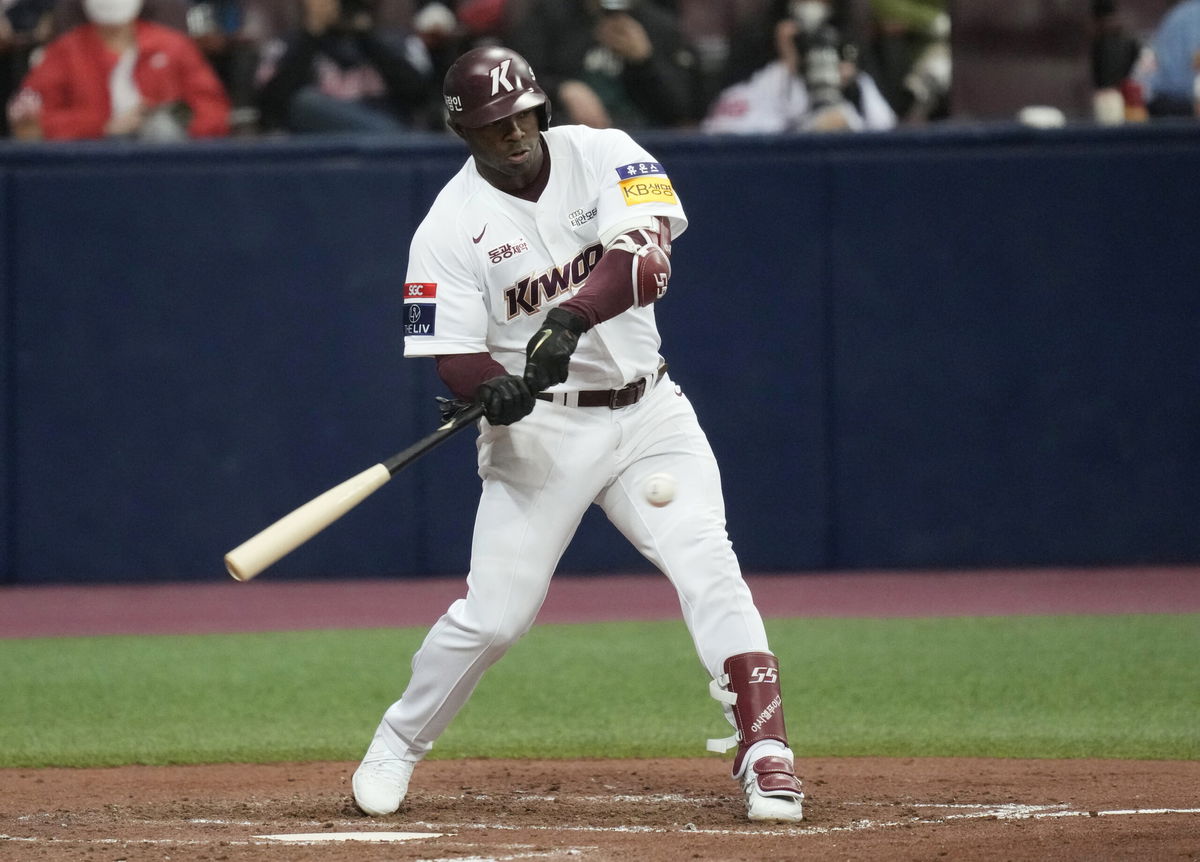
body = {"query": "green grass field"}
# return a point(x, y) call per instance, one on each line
point(1111, 686)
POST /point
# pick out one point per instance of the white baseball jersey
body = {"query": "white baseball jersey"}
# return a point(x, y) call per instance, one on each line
point(485, 266)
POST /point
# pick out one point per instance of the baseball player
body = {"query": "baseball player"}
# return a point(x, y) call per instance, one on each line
point(532, 281)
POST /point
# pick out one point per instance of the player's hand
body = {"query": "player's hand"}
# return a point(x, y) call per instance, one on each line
point(505, 399)
point(549, 351)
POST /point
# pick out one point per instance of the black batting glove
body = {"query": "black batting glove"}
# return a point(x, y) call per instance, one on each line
point(549, 351)
point(505, 399)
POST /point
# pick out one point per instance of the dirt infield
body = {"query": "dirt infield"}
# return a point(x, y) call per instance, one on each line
point(646, 810)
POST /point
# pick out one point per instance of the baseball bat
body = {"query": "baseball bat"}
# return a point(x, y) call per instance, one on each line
point(295, 528)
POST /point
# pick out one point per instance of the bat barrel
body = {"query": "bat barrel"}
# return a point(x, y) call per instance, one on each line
point(294, 529)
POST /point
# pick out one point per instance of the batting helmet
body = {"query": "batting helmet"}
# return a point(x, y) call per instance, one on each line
point(490, 83)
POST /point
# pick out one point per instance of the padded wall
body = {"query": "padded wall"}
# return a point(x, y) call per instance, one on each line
point(958, 347)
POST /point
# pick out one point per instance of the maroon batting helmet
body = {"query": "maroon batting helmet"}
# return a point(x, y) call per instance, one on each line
point(491, 83)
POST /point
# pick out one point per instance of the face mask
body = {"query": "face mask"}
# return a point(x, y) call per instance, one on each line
point(112, 12)
point(809, 14)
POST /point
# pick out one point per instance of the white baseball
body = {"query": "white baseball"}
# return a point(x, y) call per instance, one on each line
point(659, 489)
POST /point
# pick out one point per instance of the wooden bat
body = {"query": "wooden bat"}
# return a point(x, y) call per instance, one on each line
point(294, 529)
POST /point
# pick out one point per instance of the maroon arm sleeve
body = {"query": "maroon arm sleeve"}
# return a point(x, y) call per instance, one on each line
point(463, 372)
point(608, 290)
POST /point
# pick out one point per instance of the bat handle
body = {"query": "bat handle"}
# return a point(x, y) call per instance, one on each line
point(468, 416)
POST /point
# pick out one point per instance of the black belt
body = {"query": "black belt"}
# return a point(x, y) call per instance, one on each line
point(611, 398)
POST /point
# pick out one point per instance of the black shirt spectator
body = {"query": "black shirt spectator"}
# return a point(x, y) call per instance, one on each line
point(619, 63)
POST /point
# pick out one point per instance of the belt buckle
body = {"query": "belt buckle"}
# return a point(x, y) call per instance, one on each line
point(633, 389)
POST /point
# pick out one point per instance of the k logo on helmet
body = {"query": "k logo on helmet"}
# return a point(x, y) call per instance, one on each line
point(500, 79)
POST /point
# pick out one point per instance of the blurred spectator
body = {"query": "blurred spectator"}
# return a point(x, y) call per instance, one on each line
point(171, 13)
point(218, 26)
point(25, 25)
point(118, 76)
point(812, 84)
point(1168, 71)
point(752, 41)
point(26, 22)
point(340, 70)
point(1117, 98)
point(910, 56)
point(26, 16)
point(462, 23)
point(714, 30)
point(610, 63)
point(450, 29)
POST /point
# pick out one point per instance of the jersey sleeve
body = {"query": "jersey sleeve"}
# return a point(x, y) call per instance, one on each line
point(444, 308)
point(633, 185)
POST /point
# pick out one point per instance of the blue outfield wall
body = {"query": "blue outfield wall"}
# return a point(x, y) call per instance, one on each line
point(948, 348)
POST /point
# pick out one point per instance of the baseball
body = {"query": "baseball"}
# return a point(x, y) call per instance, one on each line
point(659, 489)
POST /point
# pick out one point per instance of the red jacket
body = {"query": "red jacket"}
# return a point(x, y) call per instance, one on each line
point(71, 82)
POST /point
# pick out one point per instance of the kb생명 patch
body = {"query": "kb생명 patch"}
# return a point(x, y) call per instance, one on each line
point(645, 182)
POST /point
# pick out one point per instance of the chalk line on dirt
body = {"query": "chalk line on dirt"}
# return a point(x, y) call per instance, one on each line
point(952, 812)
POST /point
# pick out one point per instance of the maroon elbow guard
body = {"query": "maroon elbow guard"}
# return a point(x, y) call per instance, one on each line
point(651, 273)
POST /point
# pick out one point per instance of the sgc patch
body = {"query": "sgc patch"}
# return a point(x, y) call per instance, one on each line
point(419, 317)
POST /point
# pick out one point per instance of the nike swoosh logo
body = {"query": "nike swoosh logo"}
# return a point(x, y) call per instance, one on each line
point(476, 239)
point(546, 333)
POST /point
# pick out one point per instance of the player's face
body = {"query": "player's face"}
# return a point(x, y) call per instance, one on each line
point(508, 152)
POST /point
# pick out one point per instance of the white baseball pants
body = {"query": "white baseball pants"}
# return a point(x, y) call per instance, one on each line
point(539, 477)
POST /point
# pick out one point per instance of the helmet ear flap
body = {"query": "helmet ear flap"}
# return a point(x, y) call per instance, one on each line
point(543, 112)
